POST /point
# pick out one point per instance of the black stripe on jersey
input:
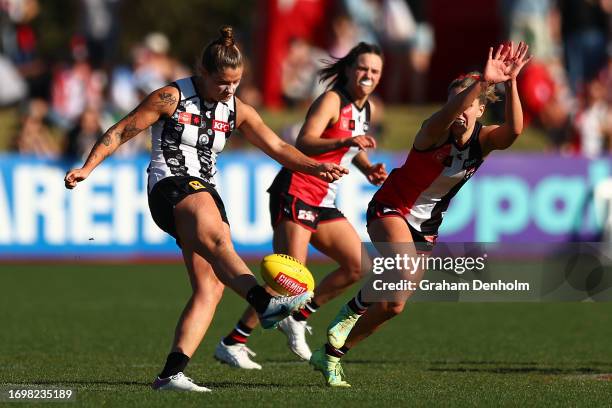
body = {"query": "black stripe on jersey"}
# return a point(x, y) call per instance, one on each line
point(170, 141)
point(346, 100)
point(474, 160)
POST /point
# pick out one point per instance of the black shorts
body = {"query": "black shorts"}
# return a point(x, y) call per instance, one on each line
point(286, 206)
point(168, 192)
point(377, 210)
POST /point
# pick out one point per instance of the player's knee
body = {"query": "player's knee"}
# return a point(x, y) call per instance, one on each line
point(207, 294)
point(353, 269)
point(392, 309)
point(215, 244)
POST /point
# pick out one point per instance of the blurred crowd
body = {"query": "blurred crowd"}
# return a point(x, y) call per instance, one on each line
point(64, 106)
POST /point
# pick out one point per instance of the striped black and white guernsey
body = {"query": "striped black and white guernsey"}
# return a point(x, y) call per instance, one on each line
point(187, 143)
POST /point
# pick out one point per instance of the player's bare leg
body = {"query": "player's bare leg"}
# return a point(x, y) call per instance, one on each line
point(384, 230)
point(338, 240)
point(205, 233)
point(290, 239)
point(357, 320)
point(207, 291)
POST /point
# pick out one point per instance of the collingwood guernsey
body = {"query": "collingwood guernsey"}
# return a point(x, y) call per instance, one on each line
point(187, 143)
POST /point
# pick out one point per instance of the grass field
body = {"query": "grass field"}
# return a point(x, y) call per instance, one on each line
point(104, 330)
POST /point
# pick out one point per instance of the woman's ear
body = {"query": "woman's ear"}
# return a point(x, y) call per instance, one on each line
point(481, 109)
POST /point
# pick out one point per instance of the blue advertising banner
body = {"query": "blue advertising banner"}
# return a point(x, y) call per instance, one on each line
point(512, 198)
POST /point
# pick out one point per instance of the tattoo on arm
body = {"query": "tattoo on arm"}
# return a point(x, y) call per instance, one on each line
point(131, 129)
point(165, 99)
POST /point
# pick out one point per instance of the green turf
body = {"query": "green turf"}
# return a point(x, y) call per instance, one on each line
point(105, 331)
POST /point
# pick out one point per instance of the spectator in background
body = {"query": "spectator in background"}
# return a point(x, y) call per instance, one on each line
point(534, 21)
point(153, 65)
point(75, 87)
point(82, 137)
point(409, 42)
point(367, 17)
point(345, 35)
point(100, 27)
point(299, 73)
point(12, 86)
point(546, 100)
point(34, 137)
point(593, 121)
point(20, 46)
point(584, 30)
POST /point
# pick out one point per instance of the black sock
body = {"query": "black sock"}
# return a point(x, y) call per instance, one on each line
point(258, 298)
point(357, 305)
point(240, 334)
point(332, 351)
point(304, 314)
point(175, 363)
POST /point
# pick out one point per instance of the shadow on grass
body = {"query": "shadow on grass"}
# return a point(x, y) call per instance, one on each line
point(511, 367)
point(210, 384)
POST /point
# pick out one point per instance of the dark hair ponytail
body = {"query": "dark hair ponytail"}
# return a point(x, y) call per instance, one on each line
point(335, 70)
point(221, 53)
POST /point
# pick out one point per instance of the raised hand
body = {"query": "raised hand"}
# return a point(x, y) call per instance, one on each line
point(496, 68)
point(329, 172)
point(516, 59)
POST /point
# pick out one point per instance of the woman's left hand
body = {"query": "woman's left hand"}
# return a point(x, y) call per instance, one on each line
point(516, 59)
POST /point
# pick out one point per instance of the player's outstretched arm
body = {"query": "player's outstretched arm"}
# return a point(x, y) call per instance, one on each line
point(502, 137)
point(158, 103)
point(435, 129)
point(257, 132)
point(375, 173)
point(323, 112)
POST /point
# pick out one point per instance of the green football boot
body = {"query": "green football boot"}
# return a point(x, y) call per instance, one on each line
point(330, 367)
point(341, 326)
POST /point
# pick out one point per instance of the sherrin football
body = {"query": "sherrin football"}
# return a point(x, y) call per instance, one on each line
point(286, 275)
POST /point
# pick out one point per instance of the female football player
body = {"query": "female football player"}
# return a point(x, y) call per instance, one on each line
point(408, 208)
point(191, 120)
point(303, 207)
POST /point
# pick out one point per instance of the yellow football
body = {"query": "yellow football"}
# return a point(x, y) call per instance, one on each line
point(286, 275)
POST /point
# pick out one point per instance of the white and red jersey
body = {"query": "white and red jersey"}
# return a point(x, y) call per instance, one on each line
point(352, 122)
point(421, 189)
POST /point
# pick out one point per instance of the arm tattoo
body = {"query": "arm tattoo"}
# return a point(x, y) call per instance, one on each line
point(131, 129)
point(165, 99)
point(106, 139)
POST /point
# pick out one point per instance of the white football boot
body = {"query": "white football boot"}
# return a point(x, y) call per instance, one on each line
point(237, 355)
point(177, 382)
point(296, 336)
point(281, 307)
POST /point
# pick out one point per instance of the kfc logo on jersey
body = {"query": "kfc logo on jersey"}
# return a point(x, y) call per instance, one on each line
point(220, 126)
point(306, 215)
point(366, 126)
